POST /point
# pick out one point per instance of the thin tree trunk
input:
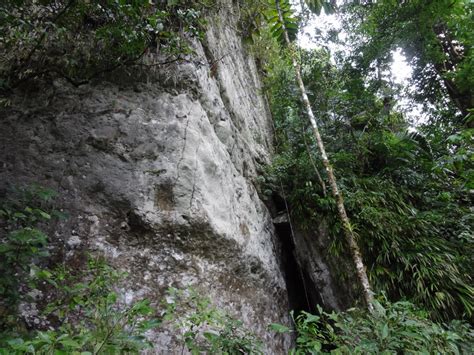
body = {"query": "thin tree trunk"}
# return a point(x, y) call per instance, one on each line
point(320, 179)
point(348, 233)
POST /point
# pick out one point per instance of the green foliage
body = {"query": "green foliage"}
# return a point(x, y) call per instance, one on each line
point(87, 315)
point(290, 22)
point(22, 241)
point(203, 328)
point(407, 194)
point(317, 5)
point(393, 328)
point(436, 36)
point(50, 39)
point(83, 313)
point(252, 19)
point(258, 16)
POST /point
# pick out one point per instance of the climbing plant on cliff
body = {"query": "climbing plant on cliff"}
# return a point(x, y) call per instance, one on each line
point(205, 329)
point(79, 39)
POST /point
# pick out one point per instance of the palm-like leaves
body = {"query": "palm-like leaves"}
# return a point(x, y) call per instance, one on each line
point(290, 22)
point(316, 6)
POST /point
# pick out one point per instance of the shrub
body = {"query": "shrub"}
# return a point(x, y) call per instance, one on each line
point(203, 328)
point(79, 39)
point(393, 328)
point(81, 312)
point(85, 316)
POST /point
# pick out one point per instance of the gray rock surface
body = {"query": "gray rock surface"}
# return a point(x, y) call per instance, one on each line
point(328, 278)
point(157, 174)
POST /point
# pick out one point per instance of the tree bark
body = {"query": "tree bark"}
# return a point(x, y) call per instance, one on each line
point(316, 171)
point(348, 233)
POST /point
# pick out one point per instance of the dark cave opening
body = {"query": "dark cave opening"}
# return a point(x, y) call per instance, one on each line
point(297, 283)
point(277, 204)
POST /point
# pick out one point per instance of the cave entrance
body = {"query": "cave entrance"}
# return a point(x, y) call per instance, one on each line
point(298, 284)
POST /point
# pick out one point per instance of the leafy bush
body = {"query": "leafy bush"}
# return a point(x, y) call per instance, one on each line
point(84, 316)
point(203, 328)
point(79, 310)
point(22, 242)
point(393, 328)
point(80, 39)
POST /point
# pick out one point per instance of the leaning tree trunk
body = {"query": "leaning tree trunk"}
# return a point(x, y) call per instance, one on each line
point(348, 233)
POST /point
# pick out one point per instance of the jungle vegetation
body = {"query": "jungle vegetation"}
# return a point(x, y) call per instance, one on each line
point(407, 181)
point(407, 178)
point(407, 184)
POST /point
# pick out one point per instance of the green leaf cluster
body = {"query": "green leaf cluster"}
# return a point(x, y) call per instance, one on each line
point(204, 328)
point(80, 311)
point(317, 5)
point(87, 315)
point(437, 38)
point(392, 328)
point(287, 22)
point(22, 214)
point(79, 40)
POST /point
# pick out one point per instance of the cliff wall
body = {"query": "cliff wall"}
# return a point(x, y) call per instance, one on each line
point(156, 170)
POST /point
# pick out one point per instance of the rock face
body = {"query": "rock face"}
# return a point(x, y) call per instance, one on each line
point(157, 174)
point(314, 275)
point(328, 279)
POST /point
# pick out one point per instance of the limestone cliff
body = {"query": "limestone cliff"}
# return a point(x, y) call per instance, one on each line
point(156, 170)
